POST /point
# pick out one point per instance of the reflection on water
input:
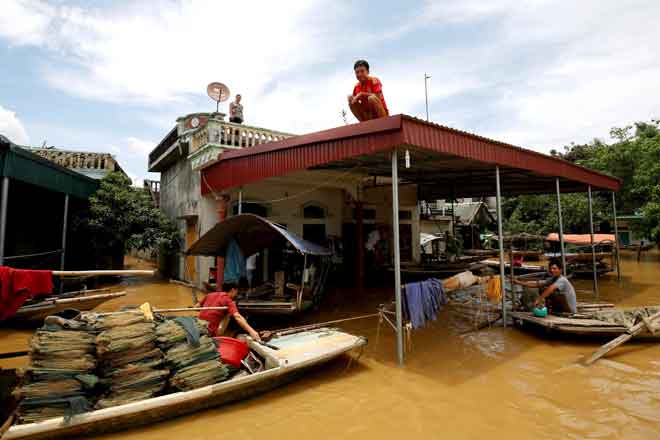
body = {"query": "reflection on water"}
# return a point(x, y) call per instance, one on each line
point(496, 383)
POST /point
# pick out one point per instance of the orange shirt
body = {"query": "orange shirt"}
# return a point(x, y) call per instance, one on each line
point(372, 85)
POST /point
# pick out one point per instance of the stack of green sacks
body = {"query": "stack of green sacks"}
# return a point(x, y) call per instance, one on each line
point(60, 379)
point(130, 364)
point(190, 354)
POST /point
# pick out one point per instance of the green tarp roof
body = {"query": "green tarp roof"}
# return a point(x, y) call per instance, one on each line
point(18, 163)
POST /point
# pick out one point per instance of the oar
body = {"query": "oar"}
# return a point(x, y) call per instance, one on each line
point(614, 343)
point(13, 354)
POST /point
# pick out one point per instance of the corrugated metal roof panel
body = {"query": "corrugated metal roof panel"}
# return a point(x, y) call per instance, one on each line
point(463, 153)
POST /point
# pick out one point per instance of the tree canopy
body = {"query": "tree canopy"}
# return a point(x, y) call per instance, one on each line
point(633, 156)
point(122, 216)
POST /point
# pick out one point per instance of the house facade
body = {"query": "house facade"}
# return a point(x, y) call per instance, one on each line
point(322, 209)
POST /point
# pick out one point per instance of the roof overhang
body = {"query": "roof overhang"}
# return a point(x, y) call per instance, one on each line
point(444, 163)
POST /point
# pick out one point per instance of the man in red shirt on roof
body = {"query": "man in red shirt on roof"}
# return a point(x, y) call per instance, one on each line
point(367, 101)
point(224, 299)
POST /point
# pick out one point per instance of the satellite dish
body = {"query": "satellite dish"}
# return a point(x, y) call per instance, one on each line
point(218, 92)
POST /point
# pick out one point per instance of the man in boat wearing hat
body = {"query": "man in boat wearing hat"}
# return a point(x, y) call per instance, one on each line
point(367, 101)
point(219, 319)
point(558, 293)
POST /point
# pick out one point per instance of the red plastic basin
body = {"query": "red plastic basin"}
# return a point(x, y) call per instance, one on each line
point(232, 351)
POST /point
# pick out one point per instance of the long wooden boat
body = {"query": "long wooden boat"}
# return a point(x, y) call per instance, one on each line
point(38, 311)
point(584, 326)
point(296, 354)
point(517, 270)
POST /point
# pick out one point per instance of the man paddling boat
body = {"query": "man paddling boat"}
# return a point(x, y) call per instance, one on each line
point(558, 293)
point(218, 319)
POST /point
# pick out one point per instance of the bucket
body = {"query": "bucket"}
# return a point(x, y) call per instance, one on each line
point(232, 351)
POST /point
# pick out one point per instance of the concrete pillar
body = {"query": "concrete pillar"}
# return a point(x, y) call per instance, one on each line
point(222, 204)
point(359, 232)
point(397, 257)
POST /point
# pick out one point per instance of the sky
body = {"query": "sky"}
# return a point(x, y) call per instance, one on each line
point(113, 76)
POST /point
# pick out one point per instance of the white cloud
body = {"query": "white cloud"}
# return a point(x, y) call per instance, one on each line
point(139, 147)
point(12, 127)
point(537, 73)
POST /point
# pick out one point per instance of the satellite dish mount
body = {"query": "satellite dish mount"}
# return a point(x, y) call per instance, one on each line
point(218, 92)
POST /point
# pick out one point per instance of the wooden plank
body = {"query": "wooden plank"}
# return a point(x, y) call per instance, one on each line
point(82, 273)
point(634, 330)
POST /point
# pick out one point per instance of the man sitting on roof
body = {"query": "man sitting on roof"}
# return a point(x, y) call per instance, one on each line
point(559, 294)
point(367, 101)
point(219, 319)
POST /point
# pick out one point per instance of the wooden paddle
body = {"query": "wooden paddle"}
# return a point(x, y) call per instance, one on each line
point(632, 331)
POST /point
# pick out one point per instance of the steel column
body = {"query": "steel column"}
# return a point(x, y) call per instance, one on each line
point(4, 196)
point(616, 238)
point(64, 226)
point(560, 219)
point(397, 257)
point(500, 234)
point(591, 232)
point(240, 202)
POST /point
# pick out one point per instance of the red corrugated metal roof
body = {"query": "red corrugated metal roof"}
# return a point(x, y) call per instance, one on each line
point(467, 152)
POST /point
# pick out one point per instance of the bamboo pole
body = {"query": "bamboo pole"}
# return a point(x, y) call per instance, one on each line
point(614, 343)
point(82, 273)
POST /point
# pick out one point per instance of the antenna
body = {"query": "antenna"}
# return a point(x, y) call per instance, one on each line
point(218, 92)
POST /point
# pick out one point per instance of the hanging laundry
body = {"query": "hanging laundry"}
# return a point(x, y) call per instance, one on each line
point(234, 263)
point(494, 290)
point(19, 285)
point(423, 300)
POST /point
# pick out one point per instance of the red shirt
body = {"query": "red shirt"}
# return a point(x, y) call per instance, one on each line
point(372, 85)
point(214, 317)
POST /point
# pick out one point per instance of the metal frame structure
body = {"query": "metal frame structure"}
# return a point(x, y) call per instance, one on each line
point(442, 156)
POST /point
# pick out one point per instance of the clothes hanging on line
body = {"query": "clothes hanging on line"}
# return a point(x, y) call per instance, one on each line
point(19, 285)
point(423, 300)
point(234, 263)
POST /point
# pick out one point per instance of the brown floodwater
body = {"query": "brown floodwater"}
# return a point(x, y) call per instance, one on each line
point(495, 383)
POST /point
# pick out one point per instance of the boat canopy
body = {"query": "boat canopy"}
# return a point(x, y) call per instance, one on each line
point(252, 233)
point(582, 239)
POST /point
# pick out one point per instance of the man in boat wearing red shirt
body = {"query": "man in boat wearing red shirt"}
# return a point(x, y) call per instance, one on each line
point(215, 317)
point(367, 101)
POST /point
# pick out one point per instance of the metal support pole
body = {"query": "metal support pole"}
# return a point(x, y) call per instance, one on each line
point(64, 226)
point(426, 94)
point(4, 196)
point(593, 248)
point(560, 219)
point(500, 234)
point(397, 257)
point(616, 239)
point(240, 202)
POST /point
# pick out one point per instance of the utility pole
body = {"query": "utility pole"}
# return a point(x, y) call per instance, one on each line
point(426, 94)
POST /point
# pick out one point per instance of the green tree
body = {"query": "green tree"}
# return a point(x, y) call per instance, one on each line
point(122, 217)
point(633, 157)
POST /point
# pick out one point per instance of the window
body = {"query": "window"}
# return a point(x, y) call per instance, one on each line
point(313, 211)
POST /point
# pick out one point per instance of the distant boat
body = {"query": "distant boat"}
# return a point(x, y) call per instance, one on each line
point(36, 312)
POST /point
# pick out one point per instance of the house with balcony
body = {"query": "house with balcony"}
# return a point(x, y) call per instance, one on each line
point(323, 207)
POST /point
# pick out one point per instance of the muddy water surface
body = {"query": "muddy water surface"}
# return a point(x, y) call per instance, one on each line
point(496, 383)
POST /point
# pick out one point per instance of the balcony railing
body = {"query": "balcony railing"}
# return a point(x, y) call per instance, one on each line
point(208, 142)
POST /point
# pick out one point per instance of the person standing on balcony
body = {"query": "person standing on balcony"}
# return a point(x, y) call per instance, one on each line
point(367, 101)
point(236, 110)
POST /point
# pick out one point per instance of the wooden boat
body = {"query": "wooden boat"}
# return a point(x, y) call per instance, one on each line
point(296, 354)
point(38, 311)
point(527, 254)
point(582, 324)
point(517, 270)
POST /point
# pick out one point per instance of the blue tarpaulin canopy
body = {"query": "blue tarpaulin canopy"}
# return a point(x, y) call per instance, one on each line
point(252, 233)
